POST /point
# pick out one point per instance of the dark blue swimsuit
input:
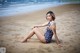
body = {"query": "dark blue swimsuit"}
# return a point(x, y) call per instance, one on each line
point(48, 34)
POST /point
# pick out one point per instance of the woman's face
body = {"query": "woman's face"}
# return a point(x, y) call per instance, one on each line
point(49, 17)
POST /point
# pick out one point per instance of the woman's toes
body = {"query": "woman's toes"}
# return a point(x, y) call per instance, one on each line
point(24, 41)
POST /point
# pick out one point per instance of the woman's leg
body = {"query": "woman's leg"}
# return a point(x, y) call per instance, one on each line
point(38, 34)
point(31, 33)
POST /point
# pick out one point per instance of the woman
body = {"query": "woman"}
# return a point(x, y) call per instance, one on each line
point(50, 30)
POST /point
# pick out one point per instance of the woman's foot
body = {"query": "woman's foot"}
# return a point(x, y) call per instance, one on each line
point(24, 41)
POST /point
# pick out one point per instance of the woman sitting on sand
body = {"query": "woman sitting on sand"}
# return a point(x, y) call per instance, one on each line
point(50, 30)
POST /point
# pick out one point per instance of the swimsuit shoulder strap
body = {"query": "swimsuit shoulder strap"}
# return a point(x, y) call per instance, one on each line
point(49, 23)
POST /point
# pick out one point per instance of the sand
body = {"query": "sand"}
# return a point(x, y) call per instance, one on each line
point(15, 28)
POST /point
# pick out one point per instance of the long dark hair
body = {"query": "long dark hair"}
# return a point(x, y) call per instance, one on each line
point(52, 14)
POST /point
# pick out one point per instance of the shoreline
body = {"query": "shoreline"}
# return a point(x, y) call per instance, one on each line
point(55, 9)
point(29, 9)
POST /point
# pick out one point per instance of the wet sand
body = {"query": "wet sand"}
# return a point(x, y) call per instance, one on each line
point(15, 28)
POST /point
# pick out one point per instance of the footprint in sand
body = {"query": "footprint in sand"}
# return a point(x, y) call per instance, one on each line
point(31, 50)
point(71, 40)
point(66, 43)
point(46, 49)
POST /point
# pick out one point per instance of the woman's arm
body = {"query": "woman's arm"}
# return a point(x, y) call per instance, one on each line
point(42, 25)
point(53, 27)
point(55, 34)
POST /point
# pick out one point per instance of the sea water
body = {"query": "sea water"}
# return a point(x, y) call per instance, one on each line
point(13, 7)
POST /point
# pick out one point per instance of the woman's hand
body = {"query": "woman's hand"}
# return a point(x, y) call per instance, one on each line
point(35, 26)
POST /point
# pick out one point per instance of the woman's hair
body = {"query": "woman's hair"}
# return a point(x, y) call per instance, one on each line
point(52, 14)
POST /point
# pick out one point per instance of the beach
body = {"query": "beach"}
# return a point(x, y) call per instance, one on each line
point(14, 28)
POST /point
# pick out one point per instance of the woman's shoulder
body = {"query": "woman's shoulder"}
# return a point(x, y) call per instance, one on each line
point(52, 22)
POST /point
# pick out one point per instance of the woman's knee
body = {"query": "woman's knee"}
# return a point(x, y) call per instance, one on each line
point(35, 29)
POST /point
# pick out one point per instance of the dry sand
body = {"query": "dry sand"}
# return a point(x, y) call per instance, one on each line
point(14, 28)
